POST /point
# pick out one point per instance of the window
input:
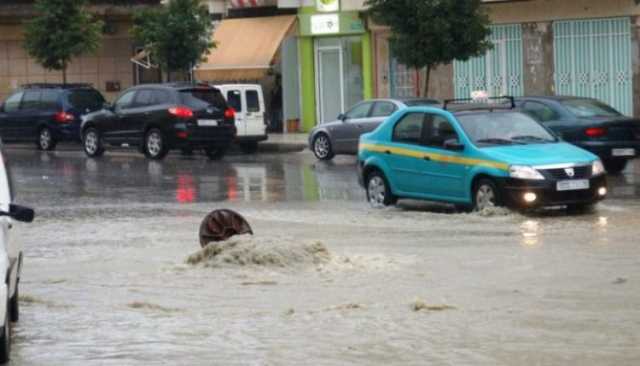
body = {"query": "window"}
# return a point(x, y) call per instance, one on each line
point(144, 98)
point(161, 97)
point(383, 109)
point(125, 100)
point(438, 130)
point(409, 128)
point(13, 102)
point(234, 100)
point(31, 100)
point(202, 98)
point(539, 111)
point(589, 108)
point(253, 103)
point(359, 111)
point(49, 99)
point(88, 100)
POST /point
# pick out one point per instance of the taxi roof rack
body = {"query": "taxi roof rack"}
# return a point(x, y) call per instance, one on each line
point(489, 103)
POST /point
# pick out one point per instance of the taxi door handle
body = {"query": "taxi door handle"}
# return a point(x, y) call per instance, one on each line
point(427, 158)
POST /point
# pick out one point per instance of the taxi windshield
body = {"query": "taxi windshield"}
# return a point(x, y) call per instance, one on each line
point(504, 128)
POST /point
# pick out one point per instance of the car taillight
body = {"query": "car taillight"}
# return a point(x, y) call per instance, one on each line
point(595, 132)
point(63, 117)
point(229, 113)
point(181, 112)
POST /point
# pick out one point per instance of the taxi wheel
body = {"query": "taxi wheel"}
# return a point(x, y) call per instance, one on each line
point(378, 191)
point(486, 195)
point(322, 147)
point(615, 166)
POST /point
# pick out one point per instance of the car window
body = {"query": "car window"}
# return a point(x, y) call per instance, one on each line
point(383, 109)
point(539, 111)
point(437, 131)
point(144, 98)
point(86, 99)
point(161, 97)
point(503, 128)
point(49, 99)
point(253, 103)
point(202, 98)
point(13, 102)
point(126, 100)
point(359, 111)
point(409, 128)
point(234, 100)
point(589, 108)
point(31, 100)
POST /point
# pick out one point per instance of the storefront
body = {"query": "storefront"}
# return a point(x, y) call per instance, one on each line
point(335, 62)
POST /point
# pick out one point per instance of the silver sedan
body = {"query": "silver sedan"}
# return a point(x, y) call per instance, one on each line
point(341, 136)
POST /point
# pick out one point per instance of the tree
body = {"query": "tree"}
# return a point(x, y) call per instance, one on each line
point(428, 33)
point(62, 30)
point(177, 36)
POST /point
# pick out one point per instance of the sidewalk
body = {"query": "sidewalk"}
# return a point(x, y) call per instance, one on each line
point(285, 142)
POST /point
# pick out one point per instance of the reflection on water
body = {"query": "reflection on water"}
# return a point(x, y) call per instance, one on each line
point(70, 176)
point(530, 230)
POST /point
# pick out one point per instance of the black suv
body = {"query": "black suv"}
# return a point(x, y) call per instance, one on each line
point(47, 113)
point(160, 117)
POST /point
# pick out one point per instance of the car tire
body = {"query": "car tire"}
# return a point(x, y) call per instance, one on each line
point(92, 143)
point(322, 147)
point(249, 147)
point(155, 146)
point(45, 141)
point(378, 190)
point(14, 306)
point(615, 166)
point(5, 339)
point(486, 195)
point(215, 153)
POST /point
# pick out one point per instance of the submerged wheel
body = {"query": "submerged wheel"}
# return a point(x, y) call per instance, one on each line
point(45, 142)
point(154, 144)
point(615, 166)
point(322, 147)
point(486, 195)
point(378, 190)
point(215, 153)
point(5, 339)
point(92, 144)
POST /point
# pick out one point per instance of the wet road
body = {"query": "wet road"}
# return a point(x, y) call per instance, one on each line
point(325, 281)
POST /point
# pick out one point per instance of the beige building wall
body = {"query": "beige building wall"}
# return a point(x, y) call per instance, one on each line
point(550, 10)
point(111, 63)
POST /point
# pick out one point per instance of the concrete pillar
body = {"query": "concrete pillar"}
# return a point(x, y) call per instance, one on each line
point(537, 44)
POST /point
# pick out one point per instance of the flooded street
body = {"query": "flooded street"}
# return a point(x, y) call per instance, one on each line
point(113, 275)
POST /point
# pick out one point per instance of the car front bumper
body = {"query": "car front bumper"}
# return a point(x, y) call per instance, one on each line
point(547, 194)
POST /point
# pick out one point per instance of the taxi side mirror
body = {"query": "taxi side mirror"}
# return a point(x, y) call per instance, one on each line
point(453, 144)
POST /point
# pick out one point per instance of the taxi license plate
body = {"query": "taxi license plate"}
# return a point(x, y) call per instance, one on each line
point(207, 122)
point(572, 185)
point(623, 152)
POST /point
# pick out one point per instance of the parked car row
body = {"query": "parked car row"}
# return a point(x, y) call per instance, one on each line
point(154, 118)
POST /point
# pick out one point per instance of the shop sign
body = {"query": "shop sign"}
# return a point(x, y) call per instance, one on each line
point(325, 24)
point(326, 6)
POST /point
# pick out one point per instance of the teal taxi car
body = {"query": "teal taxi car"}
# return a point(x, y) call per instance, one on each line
point(476, 156)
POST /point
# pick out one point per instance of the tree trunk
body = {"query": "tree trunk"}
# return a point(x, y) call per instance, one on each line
point(426, 81)
point(64, 74)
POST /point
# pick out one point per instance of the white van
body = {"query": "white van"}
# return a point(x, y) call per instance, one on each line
point(248, 102)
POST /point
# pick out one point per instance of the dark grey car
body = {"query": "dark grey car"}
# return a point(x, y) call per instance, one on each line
point(341, 136)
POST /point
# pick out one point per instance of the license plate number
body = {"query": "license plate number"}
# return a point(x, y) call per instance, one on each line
point(207, 122)
point(572, 185)
point(623, 152)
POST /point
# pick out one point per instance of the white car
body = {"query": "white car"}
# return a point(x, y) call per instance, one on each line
point(10, 259)
point(247, 101)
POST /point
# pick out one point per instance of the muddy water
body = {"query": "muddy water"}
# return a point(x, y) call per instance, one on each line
point(107, 280)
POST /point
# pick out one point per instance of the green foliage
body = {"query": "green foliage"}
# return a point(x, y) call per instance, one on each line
point(62, 30)
point(177, 35)
point(428, 33)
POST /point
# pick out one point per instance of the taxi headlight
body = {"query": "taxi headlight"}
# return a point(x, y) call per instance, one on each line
point(524, 172)
point(597, 168)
